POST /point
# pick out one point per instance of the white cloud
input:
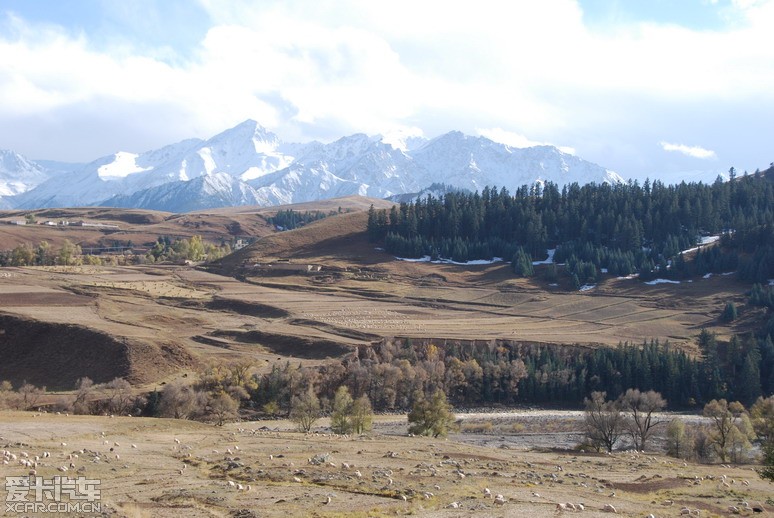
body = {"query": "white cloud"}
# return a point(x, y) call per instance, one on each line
point(352, 66)
point(517, 140)
point(691, 151)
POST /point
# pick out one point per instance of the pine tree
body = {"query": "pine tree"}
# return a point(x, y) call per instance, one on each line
point(729, 312)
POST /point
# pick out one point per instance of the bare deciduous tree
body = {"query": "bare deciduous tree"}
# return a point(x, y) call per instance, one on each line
point(29, 395)
point(83, 392)
point(118, 396)
point(640, 407)
point(222, 407)
point(603, 421)
point(179, 400)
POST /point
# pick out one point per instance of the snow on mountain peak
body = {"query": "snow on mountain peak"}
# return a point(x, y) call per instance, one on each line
point(18, 174)
point(197, 174)
point(122, 166)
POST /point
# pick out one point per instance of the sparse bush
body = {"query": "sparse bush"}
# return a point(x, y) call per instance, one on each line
point(61, 404)
point(8, 397)
point(234, 379)
point(340, 414)
point(348, 415)
point(305, 410)
point(739, 441)
point(222, 407)
point(29, 396)
point(271, 408)
point(83, 394)
point(179, 400)
point(118, 398)
point(679, 441)
point(762, 414)
point(361, 415)
point(702, 444)
point(432, 417)
point(477, 427)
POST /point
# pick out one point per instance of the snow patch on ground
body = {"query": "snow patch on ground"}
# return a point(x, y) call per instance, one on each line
point(549, 260)
point(587, 287)
point(661, 281)
point(708, 239)
point(426, 259)
point(628, 277)
point(703, 241)
point(706, 276)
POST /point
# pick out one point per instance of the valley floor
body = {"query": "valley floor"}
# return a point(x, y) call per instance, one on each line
point(161, 467)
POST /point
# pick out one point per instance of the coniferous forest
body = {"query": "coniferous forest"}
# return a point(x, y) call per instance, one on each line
point(624, 228)
point(619, 229)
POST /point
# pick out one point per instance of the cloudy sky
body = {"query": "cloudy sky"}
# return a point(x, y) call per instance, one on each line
point(639, 86)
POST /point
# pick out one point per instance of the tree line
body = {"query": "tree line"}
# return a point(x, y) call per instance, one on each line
point(70, 254)
point(624, 228)
point(291, 219)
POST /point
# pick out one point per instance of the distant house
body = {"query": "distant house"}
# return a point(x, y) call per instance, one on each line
point(17, 222)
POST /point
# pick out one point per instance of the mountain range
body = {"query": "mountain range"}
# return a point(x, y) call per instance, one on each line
point(248, 165)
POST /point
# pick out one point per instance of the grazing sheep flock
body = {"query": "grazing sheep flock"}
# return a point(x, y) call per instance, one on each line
point(171, 468)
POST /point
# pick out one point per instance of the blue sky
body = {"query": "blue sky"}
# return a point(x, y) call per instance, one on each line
point(693, 14)
point(641, 87)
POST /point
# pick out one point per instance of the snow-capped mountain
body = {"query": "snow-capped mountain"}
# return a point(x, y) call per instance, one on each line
point(249, 165)
point(247, 150)
point(204, 192)
point(18, 174)
point(474, 162)
point(357, 164)
point(371, 167)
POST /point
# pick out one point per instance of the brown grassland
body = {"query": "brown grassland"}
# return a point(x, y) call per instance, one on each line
point(311, 295)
